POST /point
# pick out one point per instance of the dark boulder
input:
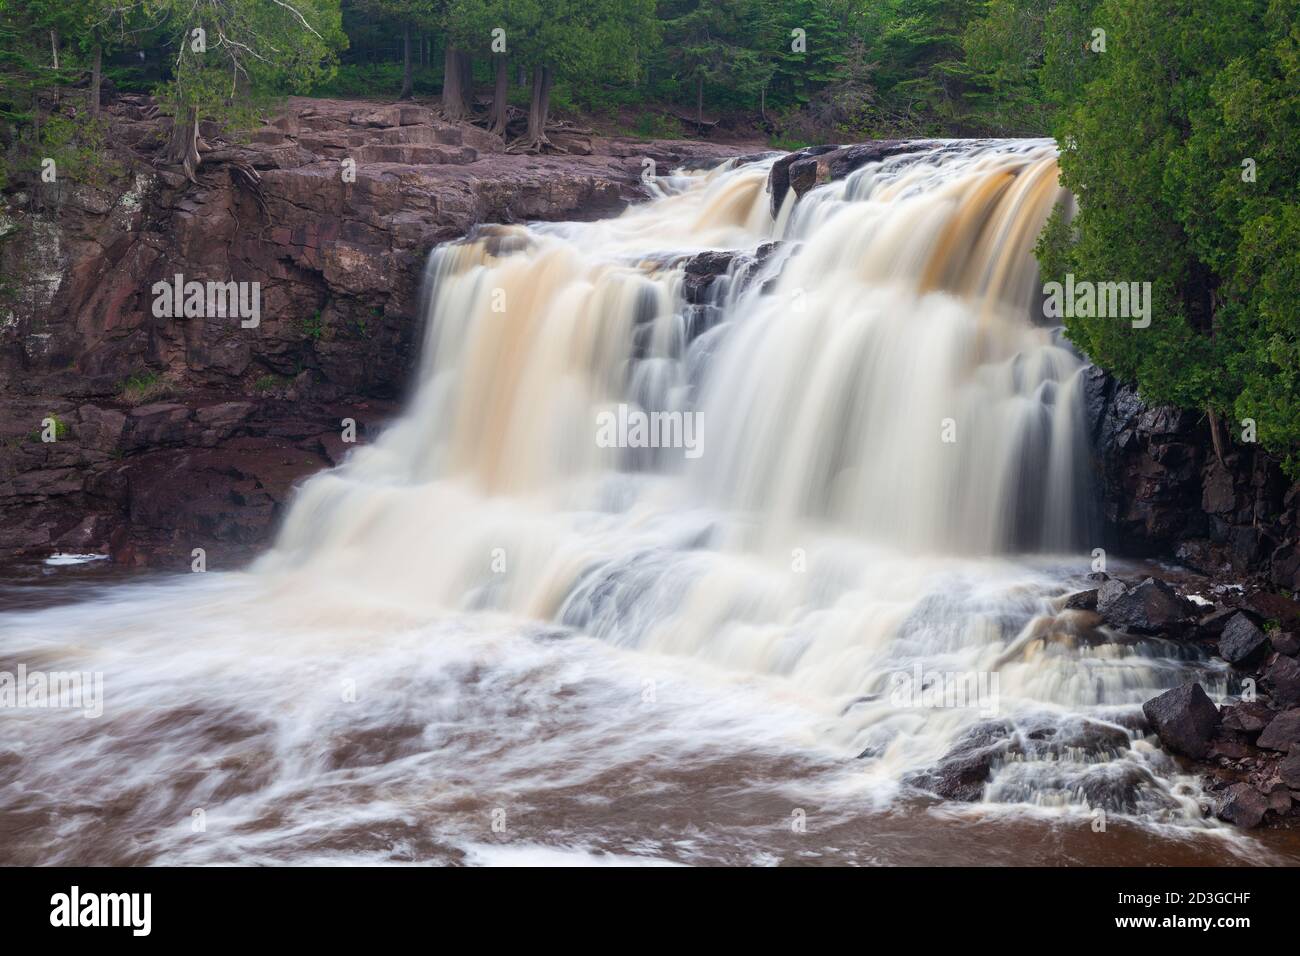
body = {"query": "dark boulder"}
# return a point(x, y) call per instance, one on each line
point(1248, 717)
point(1243, 805)
point(1242, 642)
point(1151, 607)
point(963, 771)
point(1282, 732)
point(1082, 601)
point(1290, 769)
point(1283, 679)
point(1184, 719)
point(808, 168)
point(1285, 642)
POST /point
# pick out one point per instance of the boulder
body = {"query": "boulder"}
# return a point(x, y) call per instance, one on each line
point(1243, 805)
point(1283, 678)
point(1151, 607)
point(1289, 769)
point(1082, 600)
point(1285, 642)
point(963, 771)
point(1248, 717)
point(1282, 732)
point(1241, 642)
point(1184, 719)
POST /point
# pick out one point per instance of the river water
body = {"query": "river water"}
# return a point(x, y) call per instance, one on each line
point(508, 633)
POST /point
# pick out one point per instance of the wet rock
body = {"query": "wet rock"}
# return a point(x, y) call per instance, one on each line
point(1282, 677)
point(1122, 787)
point(1184, 719)
point(1054, 736)
point(1242, 642)
point(1082, 601)
point(1243, 805)
point(806, 169)
point(702, 271)
point(964, 770)
point(1282, 732)
point(1248, 717)
point(1289, 769)
point(1151, 607)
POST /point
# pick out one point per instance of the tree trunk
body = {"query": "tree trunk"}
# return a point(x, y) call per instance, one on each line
point(500, 97)
point(535, 140)
point(54, 47)
point(762, 103)
point(183, 146)
point(407, 82)
point(96, 78)
point(699, 101)
point(466, 80)
point(454, 106)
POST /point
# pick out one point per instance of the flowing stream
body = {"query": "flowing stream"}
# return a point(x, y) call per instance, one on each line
point(510, 631)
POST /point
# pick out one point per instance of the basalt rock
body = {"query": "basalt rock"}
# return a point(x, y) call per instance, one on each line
point(1241, 641)
point(1243, 805)
point(1165, 492)
point(1282, 677)
point(1150, 607)
point(1185, 720)
point(1282, 732)
point(806, 169)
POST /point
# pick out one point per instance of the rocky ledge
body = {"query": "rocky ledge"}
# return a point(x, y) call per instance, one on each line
point(175, 433)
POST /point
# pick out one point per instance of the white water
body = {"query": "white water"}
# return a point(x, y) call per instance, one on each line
point(629, 654)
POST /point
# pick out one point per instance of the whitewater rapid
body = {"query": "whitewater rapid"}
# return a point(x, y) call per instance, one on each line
point(490, 638)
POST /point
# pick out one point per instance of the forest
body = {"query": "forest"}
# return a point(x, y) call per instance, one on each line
point(1176, 121)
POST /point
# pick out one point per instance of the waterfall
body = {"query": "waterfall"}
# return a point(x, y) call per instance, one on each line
point(637, 532)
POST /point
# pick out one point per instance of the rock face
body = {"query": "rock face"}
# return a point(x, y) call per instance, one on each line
point(1164, 490)
point(1184, 719)
point(172, 433)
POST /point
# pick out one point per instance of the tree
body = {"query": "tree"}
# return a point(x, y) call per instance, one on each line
point(581, 40)
point(485, 28)
point(1156, 152)
point(407, 16)
point(706, 42)
point(229, 51)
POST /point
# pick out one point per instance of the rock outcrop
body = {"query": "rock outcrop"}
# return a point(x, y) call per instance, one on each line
point(172, 433)
point(1165, 491)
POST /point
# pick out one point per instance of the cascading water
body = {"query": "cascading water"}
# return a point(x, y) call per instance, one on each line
point(657, 653)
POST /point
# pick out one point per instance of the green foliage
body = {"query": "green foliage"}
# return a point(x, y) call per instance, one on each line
point(145, 387)
point(314, 327)
point(1183, 95)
